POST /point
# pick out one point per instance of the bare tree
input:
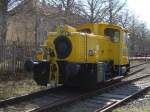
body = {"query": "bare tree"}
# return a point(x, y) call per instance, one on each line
point(92, 10)
point(114, 7)
point(138, 34)
point(5, 6)
point(3, 19)
point(124, 18)
point(142, 31)
point(66, 5)
point(101, 10)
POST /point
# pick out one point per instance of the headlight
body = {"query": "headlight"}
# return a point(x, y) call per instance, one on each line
point(39, 54)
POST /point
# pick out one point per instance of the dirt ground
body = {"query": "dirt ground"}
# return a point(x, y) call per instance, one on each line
point(134, 62)
point(14, 85)
point(140, 105)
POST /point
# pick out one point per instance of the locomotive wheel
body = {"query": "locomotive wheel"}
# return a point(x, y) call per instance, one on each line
point(41, 73)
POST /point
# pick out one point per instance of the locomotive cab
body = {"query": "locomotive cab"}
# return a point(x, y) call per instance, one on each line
point(83, 56)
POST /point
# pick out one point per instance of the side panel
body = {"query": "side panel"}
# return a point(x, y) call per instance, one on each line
point(117, 50)
point(92, 48)
point(99, 48)
point(125, 57)
point(78, 48)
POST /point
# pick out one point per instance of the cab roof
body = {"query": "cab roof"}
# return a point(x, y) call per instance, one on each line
point(102, 24)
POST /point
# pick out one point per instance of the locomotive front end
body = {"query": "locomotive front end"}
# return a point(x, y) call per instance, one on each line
point(71, 54)
point(59, 59)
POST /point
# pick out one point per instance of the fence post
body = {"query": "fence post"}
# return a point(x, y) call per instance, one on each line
point(14, 57)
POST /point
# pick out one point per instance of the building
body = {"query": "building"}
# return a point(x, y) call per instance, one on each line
point(32, 20)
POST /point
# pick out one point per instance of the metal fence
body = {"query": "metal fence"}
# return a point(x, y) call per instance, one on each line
point(13, 56)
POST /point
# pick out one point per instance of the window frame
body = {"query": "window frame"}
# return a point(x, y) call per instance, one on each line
point(112, 36)
point(125, 36)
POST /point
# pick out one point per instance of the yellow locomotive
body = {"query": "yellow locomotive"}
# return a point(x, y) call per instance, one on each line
point(83, 56)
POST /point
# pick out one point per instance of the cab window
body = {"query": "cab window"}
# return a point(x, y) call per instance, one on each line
point(125, 38)
point(113, 34)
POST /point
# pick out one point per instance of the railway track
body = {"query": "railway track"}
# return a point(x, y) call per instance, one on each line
point(106, 99)
point(127, 92)
point(118, 95)
point(48, 99)
point(136, 65)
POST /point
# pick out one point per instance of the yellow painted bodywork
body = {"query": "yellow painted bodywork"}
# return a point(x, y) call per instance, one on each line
point(39, 56)
point(101, 47)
